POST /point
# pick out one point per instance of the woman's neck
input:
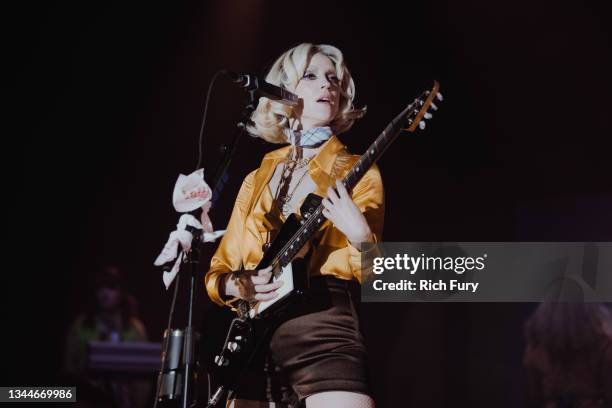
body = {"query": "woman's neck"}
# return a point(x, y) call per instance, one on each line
point(307, 125)
point(110, 315)
point(303, 127)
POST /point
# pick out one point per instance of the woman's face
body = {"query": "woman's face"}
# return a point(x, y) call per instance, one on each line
point(108, 297)
point(319, 90)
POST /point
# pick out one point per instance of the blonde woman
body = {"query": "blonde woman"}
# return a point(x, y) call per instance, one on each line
point(317, 356)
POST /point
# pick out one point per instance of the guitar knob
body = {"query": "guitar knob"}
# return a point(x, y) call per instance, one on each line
point(221, 361)
point(233, 346)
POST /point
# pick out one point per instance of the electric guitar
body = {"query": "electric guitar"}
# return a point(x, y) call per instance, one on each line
point(293, 235)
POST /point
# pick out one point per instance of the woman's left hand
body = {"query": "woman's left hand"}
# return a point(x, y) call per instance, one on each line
point(342, 211)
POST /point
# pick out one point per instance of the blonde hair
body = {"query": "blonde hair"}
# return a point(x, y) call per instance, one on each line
point(271, 119)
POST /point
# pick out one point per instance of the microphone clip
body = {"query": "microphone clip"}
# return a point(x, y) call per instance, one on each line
point(257, 88)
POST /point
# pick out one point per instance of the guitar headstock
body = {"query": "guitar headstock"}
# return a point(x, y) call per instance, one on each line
point(418, 111)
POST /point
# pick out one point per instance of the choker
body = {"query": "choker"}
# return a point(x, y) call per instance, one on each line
point(310, 138)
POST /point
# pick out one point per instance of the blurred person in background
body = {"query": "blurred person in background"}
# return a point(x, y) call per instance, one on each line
point(110, 315)
point(568, 355)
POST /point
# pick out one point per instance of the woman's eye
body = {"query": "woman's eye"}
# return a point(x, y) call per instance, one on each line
point(333, 79)
point(309, 75)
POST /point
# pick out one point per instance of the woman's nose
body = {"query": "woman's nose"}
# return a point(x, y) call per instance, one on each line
point(325, 83)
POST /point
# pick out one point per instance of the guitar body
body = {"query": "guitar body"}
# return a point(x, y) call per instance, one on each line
point(227, 355)
point(295, 274)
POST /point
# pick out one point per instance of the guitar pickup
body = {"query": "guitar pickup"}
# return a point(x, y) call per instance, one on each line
point(310, 204)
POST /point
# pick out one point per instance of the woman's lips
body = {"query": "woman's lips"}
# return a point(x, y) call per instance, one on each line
point(325, 98)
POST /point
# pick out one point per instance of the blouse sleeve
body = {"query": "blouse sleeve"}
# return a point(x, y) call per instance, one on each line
point(369, 197)
point(228, 256)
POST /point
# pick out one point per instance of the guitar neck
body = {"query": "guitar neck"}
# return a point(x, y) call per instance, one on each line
point(314, 221)
point(374, 152)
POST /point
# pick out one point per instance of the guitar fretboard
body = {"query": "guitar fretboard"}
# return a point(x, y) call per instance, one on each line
point(311, 224)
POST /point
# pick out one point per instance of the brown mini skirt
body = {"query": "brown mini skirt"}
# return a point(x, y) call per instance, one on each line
point(317, 347)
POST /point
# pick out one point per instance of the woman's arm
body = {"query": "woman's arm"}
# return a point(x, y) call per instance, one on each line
point(228, 256)
point(225, 281)
point(359, 217)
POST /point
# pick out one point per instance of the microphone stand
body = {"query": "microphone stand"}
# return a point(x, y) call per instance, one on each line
point(193, 257)
point(229, 150)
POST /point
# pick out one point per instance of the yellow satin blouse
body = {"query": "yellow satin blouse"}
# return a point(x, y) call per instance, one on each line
point(242, 245)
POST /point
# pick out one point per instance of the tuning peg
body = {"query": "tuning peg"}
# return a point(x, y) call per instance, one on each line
point(433, 106)
point(233, 346)
point(422, 125)
point(428, 115)
point(439, 96)
point(221, 361)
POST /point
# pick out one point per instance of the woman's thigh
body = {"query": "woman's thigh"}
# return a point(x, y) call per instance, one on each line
point(339, 399)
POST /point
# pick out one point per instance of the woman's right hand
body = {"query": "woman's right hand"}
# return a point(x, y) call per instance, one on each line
point(252, 285)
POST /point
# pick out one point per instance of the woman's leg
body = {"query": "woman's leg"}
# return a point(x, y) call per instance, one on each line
point(339, 399)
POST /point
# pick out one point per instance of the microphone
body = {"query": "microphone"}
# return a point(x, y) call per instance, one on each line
point(262, 88)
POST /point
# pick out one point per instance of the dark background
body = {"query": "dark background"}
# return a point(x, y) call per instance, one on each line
point(109, 100)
